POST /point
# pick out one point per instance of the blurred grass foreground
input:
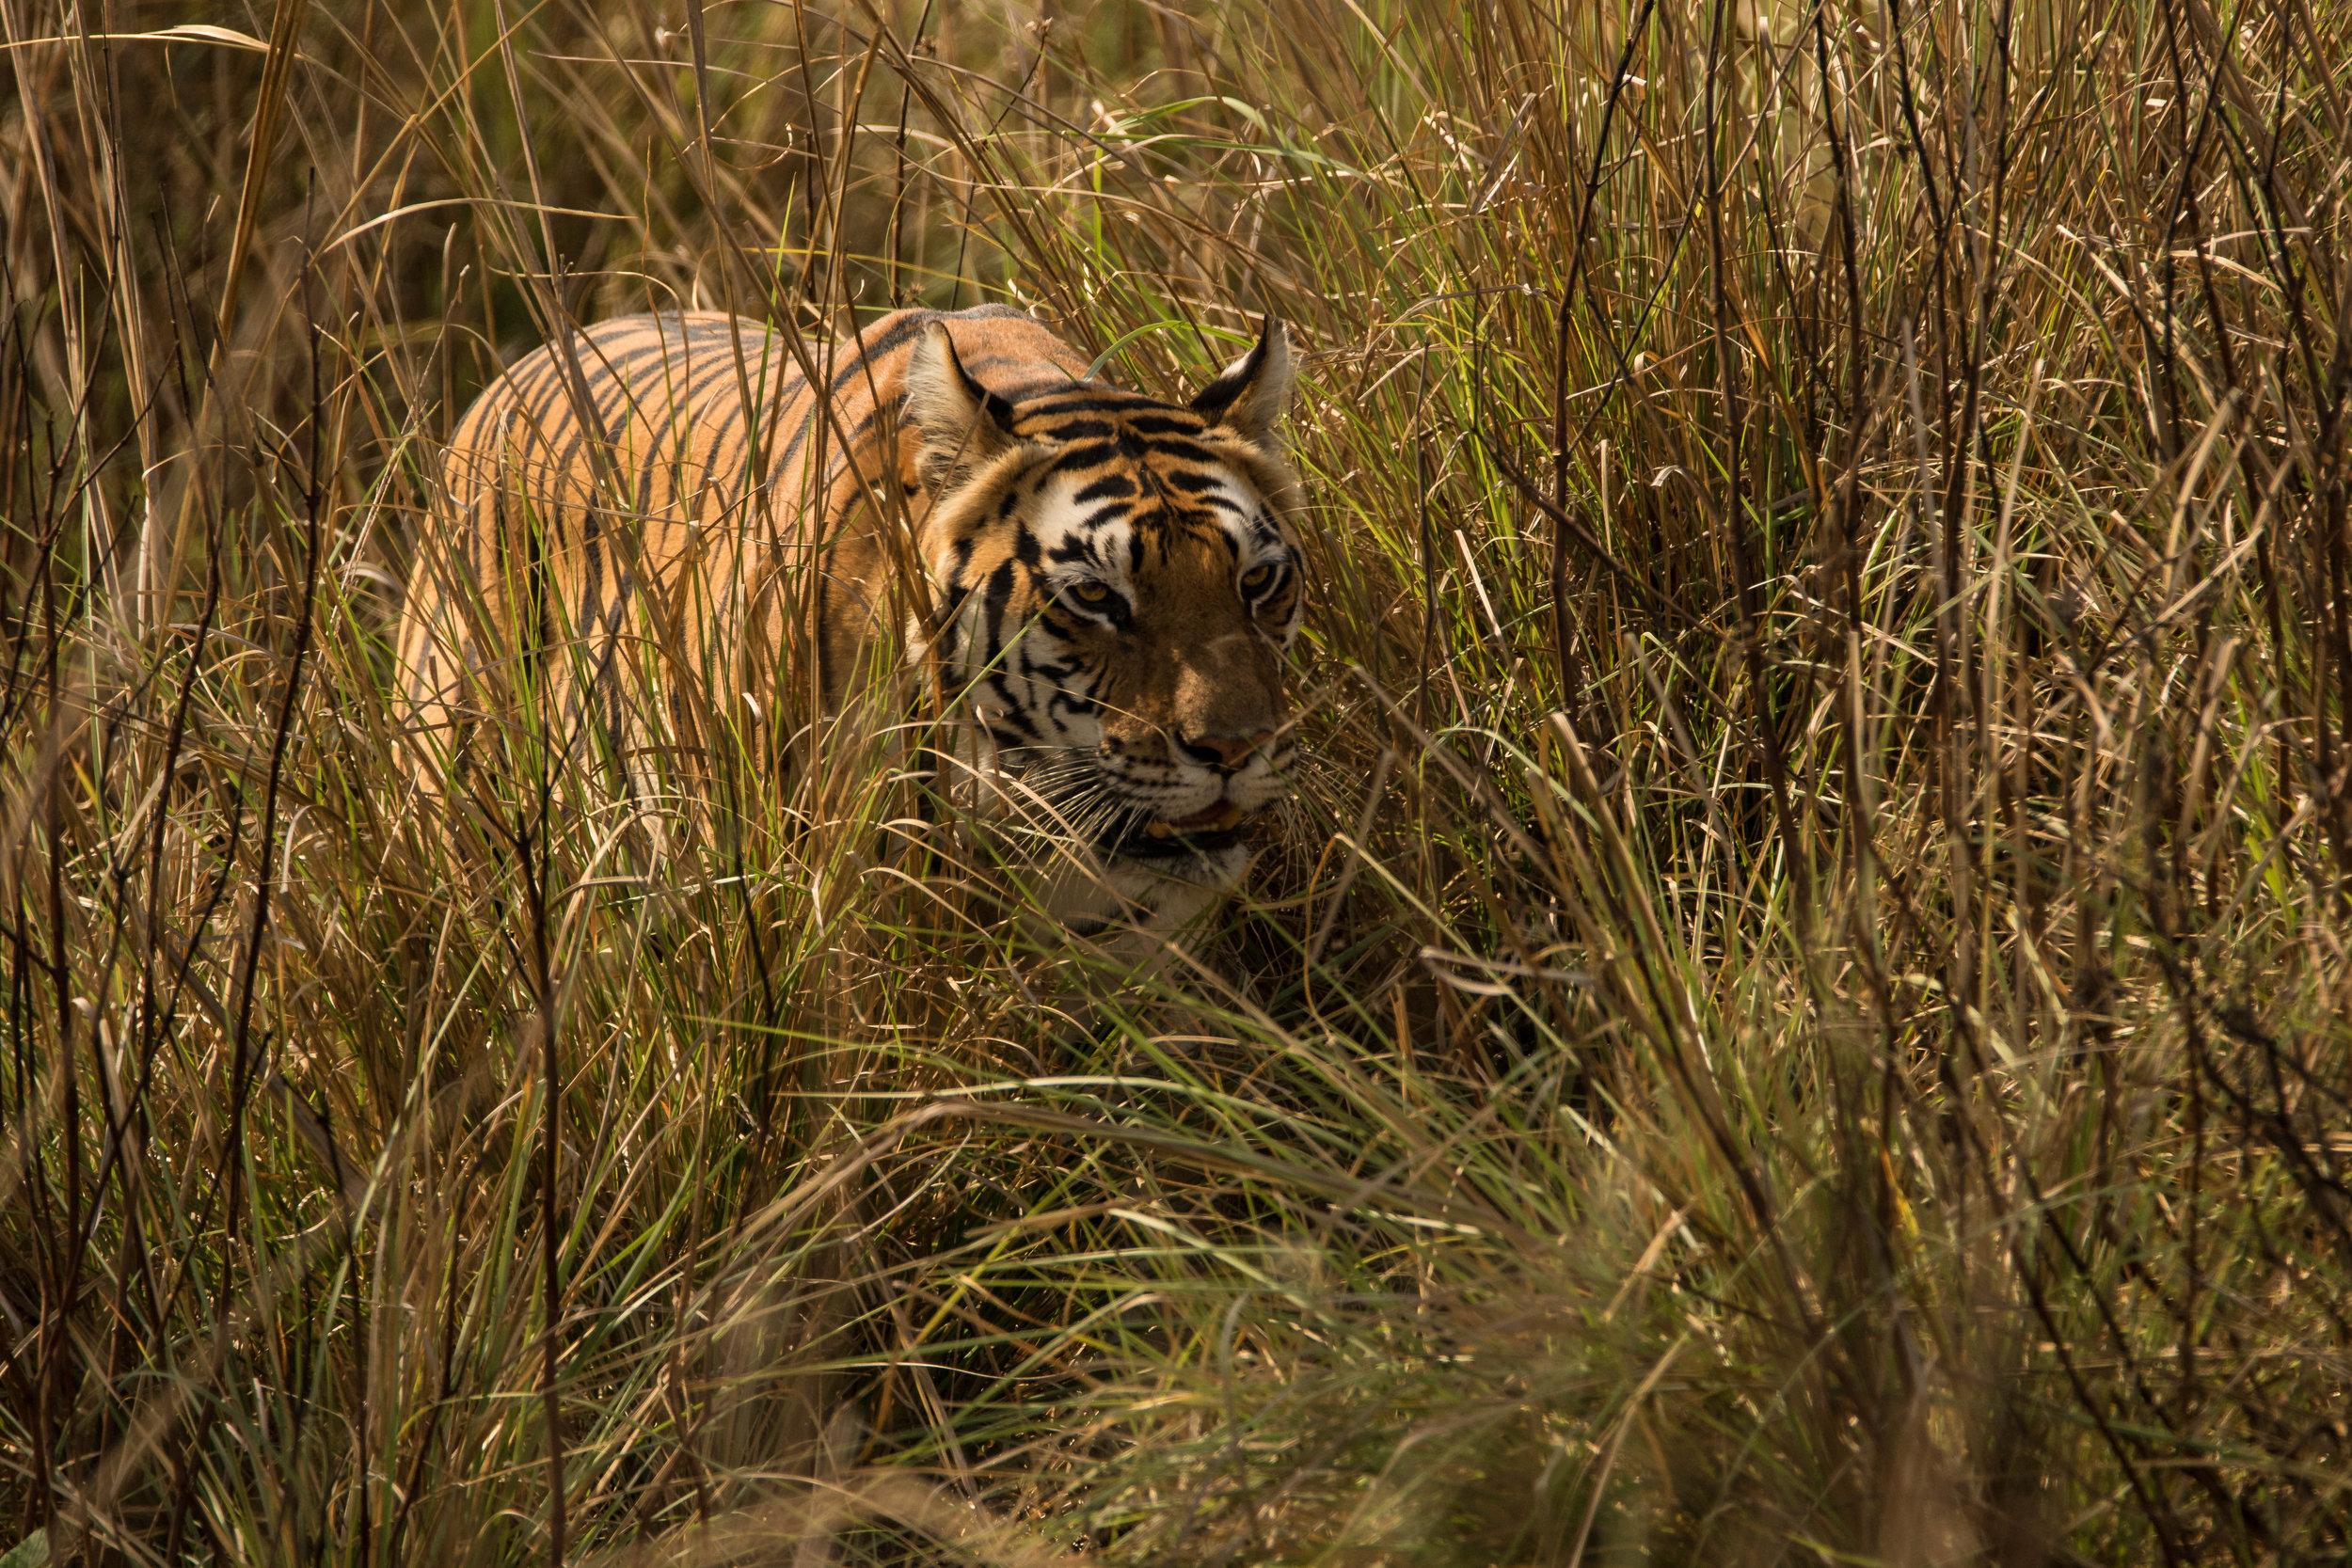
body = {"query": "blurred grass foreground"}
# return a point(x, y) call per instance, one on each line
point(1797, 1012)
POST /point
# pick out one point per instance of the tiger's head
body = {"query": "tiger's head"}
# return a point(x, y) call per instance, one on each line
point(1118, 588)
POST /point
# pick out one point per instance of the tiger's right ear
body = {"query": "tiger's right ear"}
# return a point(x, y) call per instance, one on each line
point(964, 423)
point(1251, 395)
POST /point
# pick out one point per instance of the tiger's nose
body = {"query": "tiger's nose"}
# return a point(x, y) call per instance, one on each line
point(1227, 753)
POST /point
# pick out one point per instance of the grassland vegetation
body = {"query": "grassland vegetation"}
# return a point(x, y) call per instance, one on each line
point(1794, 1013)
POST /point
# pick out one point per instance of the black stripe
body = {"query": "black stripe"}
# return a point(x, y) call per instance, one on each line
point(1098, 455)
point(687, 406)
point(536, 414)
point(1109, 487)
point(609, 387)
point(774, 370)
point(1086, 398)
point(865, 352)
point(824, 624)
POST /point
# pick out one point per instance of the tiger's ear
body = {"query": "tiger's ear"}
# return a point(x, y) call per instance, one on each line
point(964, 423)
point(1253, 392)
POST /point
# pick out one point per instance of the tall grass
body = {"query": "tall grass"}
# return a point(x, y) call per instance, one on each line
point(1794, 1016)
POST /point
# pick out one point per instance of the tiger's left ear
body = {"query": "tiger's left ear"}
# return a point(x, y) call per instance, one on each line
point(964, 423)
point(1253, 392)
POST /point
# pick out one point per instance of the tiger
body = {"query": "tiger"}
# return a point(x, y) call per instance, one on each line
point(641, 514)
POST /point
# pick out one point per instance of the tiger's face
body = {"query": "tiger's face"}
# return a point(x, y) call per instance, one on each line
point(1119, 588)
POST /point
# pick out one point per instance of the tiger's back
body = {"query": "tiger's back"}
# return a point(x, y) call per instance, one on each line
point(646, 503)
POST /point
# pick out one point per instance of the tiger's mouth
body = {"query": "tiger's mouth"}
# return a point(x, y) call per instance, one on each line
point(1200, 832)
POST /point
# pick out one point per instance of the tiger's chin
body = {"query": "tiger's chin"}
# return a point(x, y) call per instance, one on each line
point(1130, 890)
point(1138, 893)
point(1138, 902)
point(1183, 838)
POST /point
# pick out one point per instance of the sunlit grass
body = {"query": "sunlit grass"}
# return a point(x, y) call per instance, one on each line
point(1793, 1015)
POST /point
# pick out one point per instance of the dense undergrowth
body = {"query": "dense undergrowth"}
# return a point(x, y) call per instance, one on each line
point(1795, 1014)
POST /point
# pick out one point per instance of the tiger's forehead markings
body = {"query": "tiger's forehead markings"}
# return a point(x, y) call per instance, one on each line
point(1144, 503)
point(1130, 477)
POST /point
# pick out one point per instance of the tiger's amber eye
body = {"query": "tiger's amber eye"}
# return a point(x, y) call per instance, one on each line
point(1257, 579)
point(1090, 593)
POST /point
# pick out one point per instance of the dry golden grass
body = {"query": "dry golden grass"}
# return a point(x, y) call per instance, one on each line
point(1796, 1015)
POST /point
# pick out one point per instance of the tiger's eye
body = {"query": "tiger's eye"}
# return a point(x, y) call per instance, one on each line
point(1257, 579)
point(1090, 593)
